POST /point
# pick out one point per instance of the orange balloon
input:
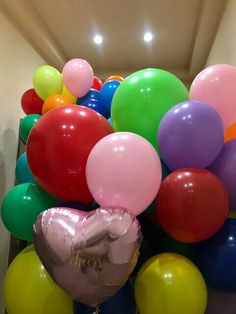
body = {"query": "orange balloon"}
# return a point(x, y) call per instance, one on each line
point(55, 101)
point(115, 78)
point(230, 132)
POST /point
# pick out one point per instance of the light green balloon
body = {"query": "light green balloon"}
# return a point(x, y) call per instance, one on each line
point(141, 101)
point(47, 81)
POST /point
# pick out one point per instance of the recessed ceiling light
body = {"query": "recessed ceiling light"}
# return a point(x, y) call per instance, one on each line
point(147, 36)
point(97, 39)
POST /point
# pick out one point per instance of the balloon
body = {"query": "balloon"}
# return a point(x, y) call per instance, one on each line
point(170, 284)
point(55, 101)
point(230, 132)
point(78, 76)
point(215, 86)
point(122, 302)
point(96, 105)
point(161, 242)
point(21, 206)
point(192, 205)
point(224, 168)
point(143, 99)
point(29, 289)
point(92, 94)
point(216, 258)
point(58, 148)
point(31, 103)
point(47, 81)
point(191, 134)
point(110, 121)
point(67, 94)
point(90, 255)
point(107, 92)
point(26, 125)
point(115, 78)
point(23, 173)
point(165, 172)
point(97, 83)
point(129, 172)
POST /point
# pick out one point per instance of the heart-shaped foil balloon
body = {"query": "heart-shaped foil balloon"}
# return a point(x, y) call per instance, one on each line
point(88, 254)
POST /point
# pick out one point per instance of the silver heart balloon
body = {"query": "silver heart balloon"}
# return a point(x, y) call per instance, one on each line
point(88, 254)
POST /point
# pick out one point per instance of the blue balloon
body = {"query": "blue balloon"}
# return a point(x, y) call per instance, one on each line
point(96, 105)
point(216, 258)
point(22, 171)
point(121, 303)
point(91, 94)
point(110, 121)
point(107, 93)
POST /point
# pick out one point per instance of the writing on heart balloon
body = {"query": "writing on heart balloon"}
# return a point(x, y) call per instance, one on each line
point(89, 254)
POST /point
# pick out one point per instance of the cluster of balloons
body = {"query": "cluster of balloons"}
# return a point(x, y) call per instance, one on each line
point(106, 160)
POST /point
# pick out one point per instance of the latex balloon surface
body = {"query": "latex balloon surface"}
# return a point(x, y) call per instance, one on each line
point(170, 284)
point(28, 289)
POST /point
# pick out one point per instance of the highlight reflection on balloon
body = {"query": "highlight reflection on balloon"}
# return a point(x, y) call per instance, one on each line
point(89, 254)
point(123, 178)
point(185, 201)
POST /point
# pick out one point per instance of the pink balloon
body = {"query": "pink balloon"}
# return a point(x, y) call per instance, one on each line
point(124, 170)
point(78, 76)
point(216, 86)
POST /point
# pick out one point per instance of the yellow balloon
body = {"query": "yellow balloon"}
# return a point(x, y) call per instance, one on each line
point(170, 284)
point(66, 93)
point(28, 289)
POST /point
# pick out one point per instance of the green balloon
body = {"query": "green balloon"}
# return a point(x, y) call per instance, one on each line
point(141, 101)
point(26, 125)
point(21, 207)
point(47, 81)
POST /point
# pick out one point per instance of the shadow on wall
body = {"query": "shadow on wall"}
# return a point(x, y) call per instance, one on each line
point(8, 153)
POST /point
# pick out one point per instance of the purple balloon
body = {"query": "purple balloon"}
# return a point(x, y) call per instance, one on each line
point(225, 168)
point(191, 134)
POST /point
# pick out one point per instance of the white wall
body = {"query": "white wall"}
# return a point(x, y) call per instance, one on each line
point(18, 60)
point(224, 47)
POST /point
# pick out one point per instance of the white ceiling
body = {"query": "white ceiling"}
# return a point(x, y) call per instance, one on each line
point(183, 32)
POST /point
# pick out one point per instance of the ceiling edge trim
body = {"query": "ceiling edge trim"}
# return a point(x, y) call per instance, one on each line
point(29, 23)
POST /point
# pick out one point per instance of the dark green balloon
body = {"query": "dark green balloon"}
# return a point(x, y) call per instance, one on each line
point(22, 205)
point(141, 101)
point(26, 125)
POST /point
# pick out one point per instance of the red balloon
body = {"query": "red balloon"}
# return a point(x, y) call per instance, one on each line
point(58, 148)
point(31, 103)
point(191, 205)
point(97, 83)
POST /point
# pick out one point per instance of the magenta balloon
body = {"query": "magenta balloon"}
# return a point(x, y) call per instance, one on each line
point(124, 170)
point(191, 134)
point(215, 86)
point(225, 168)
point(78, 76)
point(90, 255)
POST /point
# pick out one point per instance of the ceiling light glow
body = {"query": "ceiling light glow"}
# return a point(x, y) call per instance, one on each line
point(148, 37)
point(97, 39)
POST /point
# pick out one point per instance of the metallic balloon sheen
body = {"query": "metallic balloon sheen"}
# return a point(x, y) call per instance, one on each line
point(88, 254)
